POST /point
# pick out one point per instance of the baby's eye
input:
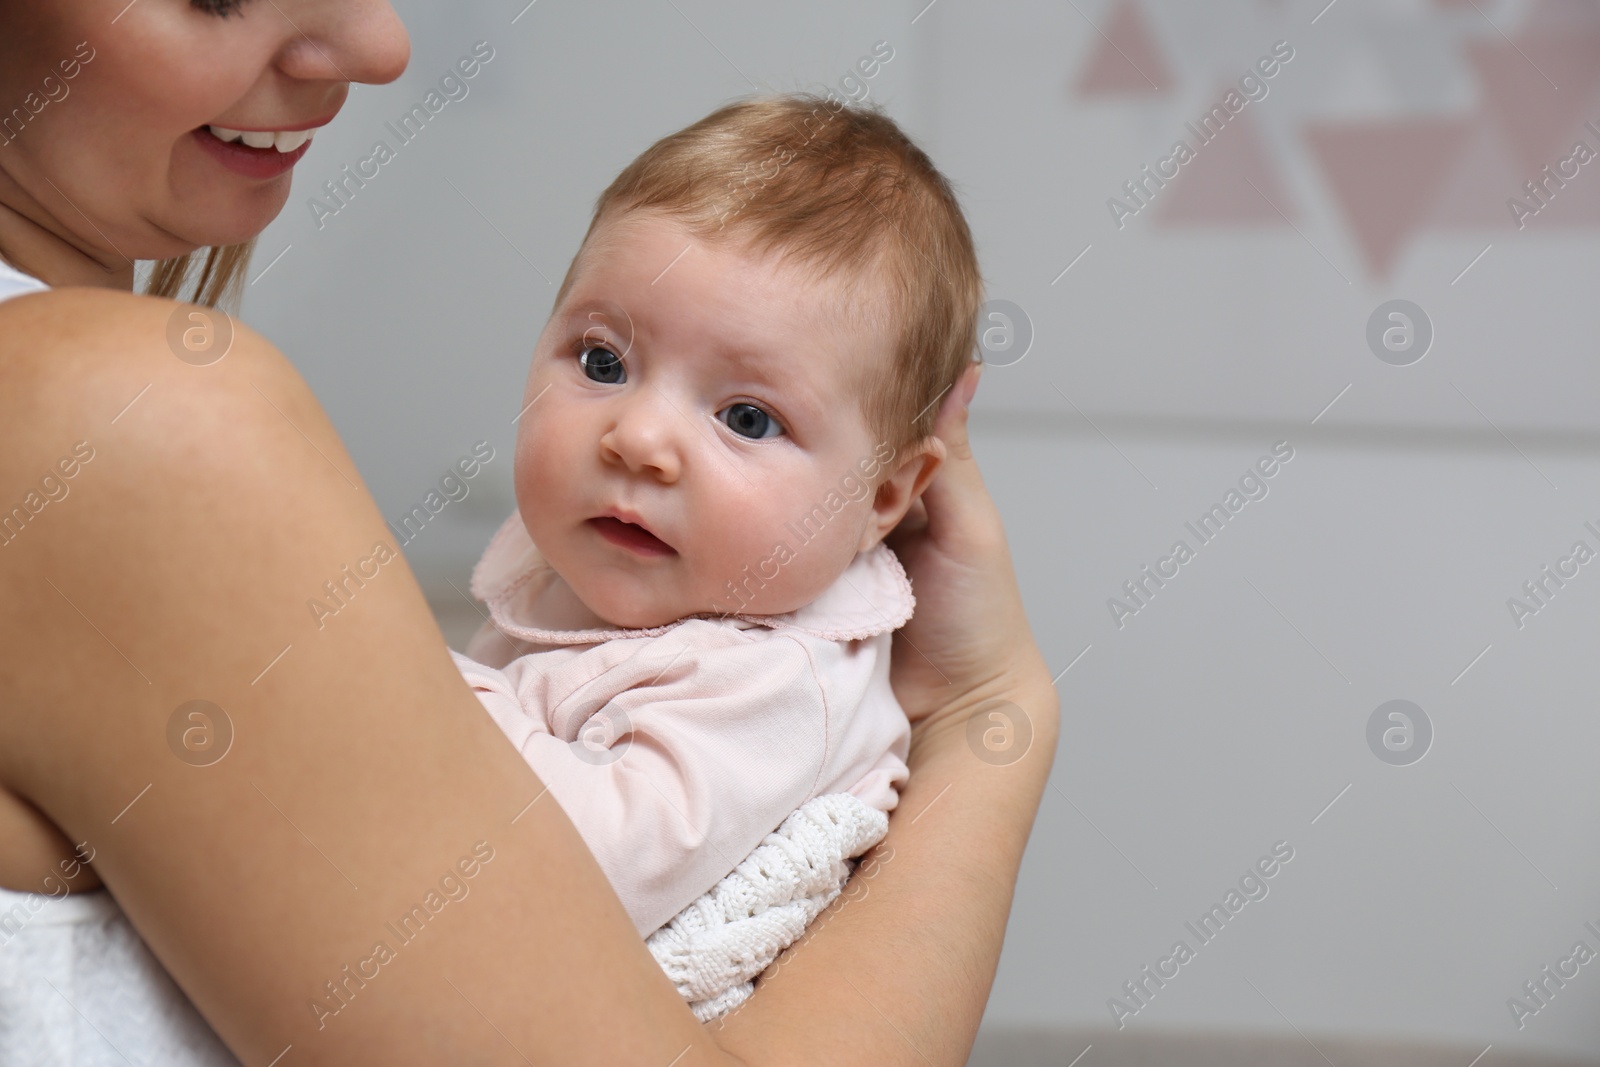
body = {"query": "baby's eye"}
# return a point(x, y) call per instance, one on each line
point(222, 8)
point(747, 420)
point(602, 365)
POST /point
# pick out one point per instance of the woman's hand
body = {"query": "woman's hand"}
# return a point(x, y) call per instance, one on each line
point(915, 940)
point(968, 643)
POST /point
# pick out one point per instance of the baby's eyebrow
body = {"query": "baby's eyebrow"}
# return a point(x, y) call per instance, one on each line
point(596, 310)
point(768, 367)
point(758, 361)
point(599, 313)
point(751, 359)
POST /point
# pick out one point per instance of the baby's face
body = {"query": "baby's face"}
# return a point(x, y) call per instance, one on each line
point(695, 440)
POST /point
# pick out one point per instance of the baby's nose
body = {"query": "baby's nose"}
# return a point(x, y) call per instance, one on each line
point(645, 436)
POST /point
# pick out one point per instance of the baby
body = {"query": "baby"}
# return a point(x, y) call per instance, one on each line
point(729, 408)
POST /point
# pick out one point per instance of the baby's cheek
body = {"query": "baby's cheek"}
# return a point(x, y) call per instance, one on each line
point(725, 550)
point(545, 455)
point(542, 477)
point(772, 567)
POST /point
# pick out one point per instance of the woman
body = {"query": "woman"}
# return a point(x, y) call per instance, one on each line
point(173, 563)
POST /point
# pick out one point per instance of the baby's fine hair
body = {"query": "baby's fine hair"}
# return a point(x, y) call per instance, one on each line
point(840, 188)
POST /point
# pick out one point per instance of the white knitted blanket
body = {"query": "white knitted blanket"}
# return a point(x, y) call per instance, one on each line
point(713, 949)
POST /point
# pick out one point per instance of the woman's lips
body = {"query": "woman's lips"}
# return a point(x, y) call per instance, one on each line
point(634, 538)
point(259, 163)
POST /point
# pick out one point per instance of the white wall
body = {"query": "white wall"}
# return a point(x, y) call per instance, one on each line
point(1230, 711)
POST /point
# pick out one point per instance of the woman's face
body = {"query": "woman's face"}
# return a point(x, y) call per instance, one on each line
point(104, 106)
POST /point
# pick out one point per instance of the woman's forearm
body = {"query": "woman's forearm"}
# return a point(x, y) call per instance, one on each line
point(898, 970)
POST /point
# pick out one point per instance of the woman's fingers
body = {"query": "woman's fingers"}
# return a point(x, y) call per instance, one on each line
point(951, 426)
point(961, 518)
point(958, 475)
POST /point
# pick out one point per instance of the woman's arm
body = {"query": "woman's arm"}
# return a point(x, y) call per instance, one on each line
point(361, 771)
point(898, 970)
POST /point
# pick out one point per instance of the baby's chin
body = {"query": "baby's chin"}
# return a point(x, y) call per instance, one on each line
point(626, 612)
point(625, 607)
point(628, 617)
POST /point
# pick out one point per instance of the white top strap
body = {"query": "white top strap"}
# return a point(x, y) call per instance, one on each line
point(15, 283)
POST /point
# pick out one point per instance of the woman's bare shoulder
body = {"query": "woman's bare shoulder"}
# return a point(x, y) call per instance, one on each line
point(70, 357)
point(56, 317)
point(42, 331)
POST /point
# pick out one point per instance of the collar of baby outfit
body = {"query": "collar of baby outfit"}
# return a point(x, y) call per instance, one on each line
point(528, 600)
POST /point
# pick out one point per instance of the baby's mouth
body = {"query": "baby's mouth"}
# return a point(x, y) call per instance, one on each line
point(631, 536)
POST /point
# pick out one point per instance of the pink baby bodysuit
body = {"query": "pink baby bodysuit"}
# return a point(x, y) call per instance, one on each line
point(676, 749)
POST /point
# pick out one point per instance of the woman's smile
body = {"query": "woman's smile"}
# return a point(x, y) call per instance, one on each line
point(254, 161)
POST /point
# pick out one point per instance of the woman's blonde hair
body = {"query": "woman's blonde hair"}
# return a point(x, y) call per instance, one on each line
point(219, 278)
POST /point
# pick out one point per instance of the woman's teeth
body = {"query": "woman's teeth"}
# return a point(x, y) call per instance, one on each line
point(282, 140)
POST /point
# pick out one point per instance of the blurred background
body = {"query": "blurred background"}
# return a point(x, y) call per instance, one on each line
point(1150, 340)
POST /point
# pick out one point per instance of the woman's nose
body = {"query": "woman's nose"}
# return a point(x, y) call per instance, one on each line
point(344, 40)
point(645, 436)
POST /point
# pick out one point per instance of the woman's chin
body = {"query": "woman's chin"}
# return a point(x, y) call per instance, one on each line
point(245, 221)
point(232, 220)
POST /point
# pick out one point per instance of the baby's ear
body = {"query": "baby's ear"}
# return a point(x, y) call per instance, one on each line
point(910, 472)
